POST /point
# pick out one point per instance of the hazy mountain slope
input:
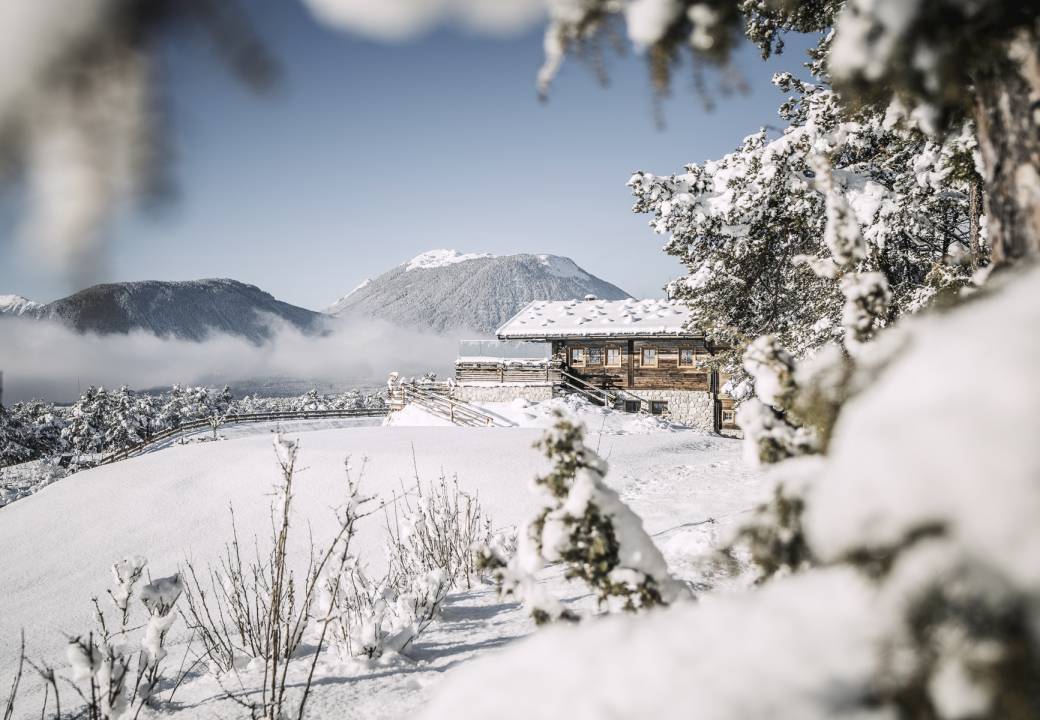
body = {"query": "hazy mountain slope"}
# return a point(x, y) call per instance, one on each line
point(443, 290)
point(188, 310)
point(18, 305)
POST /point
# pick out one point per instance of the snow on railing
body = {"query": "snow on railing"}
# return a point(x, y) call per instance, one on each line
point(608, 396)
point(435, 399)
point(188, 427)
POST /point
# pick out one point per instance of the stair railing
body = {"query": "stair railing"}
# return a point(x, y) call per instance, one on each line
point(597, 393)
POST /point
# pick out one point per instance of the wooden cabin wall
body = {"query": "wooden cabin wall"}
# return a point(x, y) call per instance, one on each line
point(667, 374)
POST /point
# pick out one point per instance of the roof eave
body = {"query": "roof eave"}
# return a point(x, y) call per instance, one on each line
point(600, 335)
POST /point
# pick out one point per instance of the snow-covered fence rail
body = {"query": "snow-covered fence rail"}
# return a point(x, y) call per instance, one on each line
point(609, 397)
point(437, 402)
point(187, 427)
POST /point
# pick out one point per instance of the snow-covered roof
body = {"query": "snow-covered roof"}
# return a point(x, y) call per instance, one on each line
point(597, 318)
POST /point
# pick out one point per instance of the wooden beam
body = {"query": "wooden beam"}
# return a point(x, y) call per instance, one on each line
point(631, 369)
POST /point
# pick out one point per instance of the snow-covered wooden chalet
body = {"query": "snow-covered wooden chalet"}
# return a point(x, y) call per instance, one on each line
point(635, 355)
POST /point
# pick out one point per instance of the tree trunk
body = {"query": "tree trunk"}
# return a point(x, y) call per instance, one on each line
point(1007, 116)
point(975, 200)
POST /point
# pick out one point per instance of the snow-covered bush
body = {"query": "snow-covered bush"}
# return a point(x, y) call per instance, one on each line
point(16, 444)
point(262, 609)
point(921, 520)
point(433, 536)
point(585, 526)
point(370, 618)
point(437, 526)
point(114, 677)
point(27, 478)
point(311, 400)
point(28, 431)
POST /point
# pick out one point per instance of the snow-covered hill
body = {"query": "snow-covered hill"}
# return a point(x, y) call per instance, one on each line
point(18, 305)
point(444, 290)
point(171, 506)
point(188, 310)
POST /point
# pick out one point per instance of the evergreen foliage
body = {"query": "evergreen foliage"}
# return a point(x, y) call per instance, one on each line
point(838, 226)
point(585, 526)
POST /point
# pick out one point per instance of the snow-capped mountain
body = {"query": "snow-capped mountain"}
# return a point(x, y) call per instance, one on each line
point(444, 290)
point(188, 310)
point(18, 305)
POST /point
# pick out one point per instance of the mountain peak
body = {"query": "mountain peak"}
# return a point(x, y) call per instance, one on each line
point(442, 258)
point(185, 309)
point(17, 305)
point(453, 293)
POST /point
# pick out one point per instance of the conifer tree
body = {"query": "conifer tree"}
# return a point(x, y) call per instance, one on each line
point(946, 61)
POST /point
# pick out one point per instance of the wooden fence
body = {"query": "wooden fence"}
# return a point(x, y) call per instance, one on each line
point(242, 418)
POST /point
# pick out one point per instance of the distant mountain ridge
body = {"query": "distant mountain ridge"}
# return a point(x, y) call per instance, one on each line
point(17, 305)
point(187, 310)
point(440, 291)
point(444, 290)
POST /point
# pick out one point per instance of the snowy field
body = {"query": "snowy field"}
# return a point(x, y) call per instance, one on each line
point(171, 505)
point(20, 481)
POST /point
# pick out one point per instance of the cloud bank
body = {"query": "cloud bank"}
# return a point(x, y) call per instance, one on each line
point(405, 19)
point(47, 360)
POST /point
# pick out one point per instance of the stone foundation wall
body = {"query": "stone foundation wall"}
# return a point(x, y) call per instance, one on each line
point(502, 393)
point(694, 408)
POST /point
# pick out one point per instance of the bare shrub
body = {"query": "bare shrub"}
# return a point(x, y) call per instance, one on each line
point(433, 532)
point(437, 527)
point(259, 609)
point(113, 677)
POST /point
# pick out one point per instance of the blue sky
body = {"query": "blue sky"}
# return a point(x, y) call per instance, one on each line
point(368, 153)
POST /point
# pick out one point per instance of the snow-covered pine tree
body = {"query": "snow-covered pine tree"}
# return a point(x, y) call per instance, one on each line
point(88, 422)
point(313, 400)
point(171, 406)
point(587, 527)
point(45, 424)
point(837, 216)
point(220, 406)
point(948, 61)
point(125, 424)
point(15, 439)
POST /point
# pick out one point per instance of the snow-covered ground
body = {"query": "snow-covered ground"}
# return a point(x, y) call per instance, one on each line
point(22, 480)
point(172, 505)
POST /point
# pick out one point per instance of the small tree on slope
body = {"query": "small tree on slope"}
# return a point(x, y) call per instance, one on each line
point(585, 526)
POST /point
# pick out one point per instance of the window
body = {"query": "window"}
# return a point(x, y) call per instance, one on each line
point(632, 406)
point(686, 357)
point(649, 357)
point(614, 356)
point(658, 407)
point(595, 356)
point(577, 356)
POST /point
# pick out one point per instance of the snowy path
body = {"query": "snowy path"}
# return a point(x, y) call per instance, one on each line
point(171, 505)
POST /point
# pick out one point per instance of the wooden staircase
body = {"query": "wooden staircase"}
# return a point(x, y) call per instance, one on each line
point(617, 398)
